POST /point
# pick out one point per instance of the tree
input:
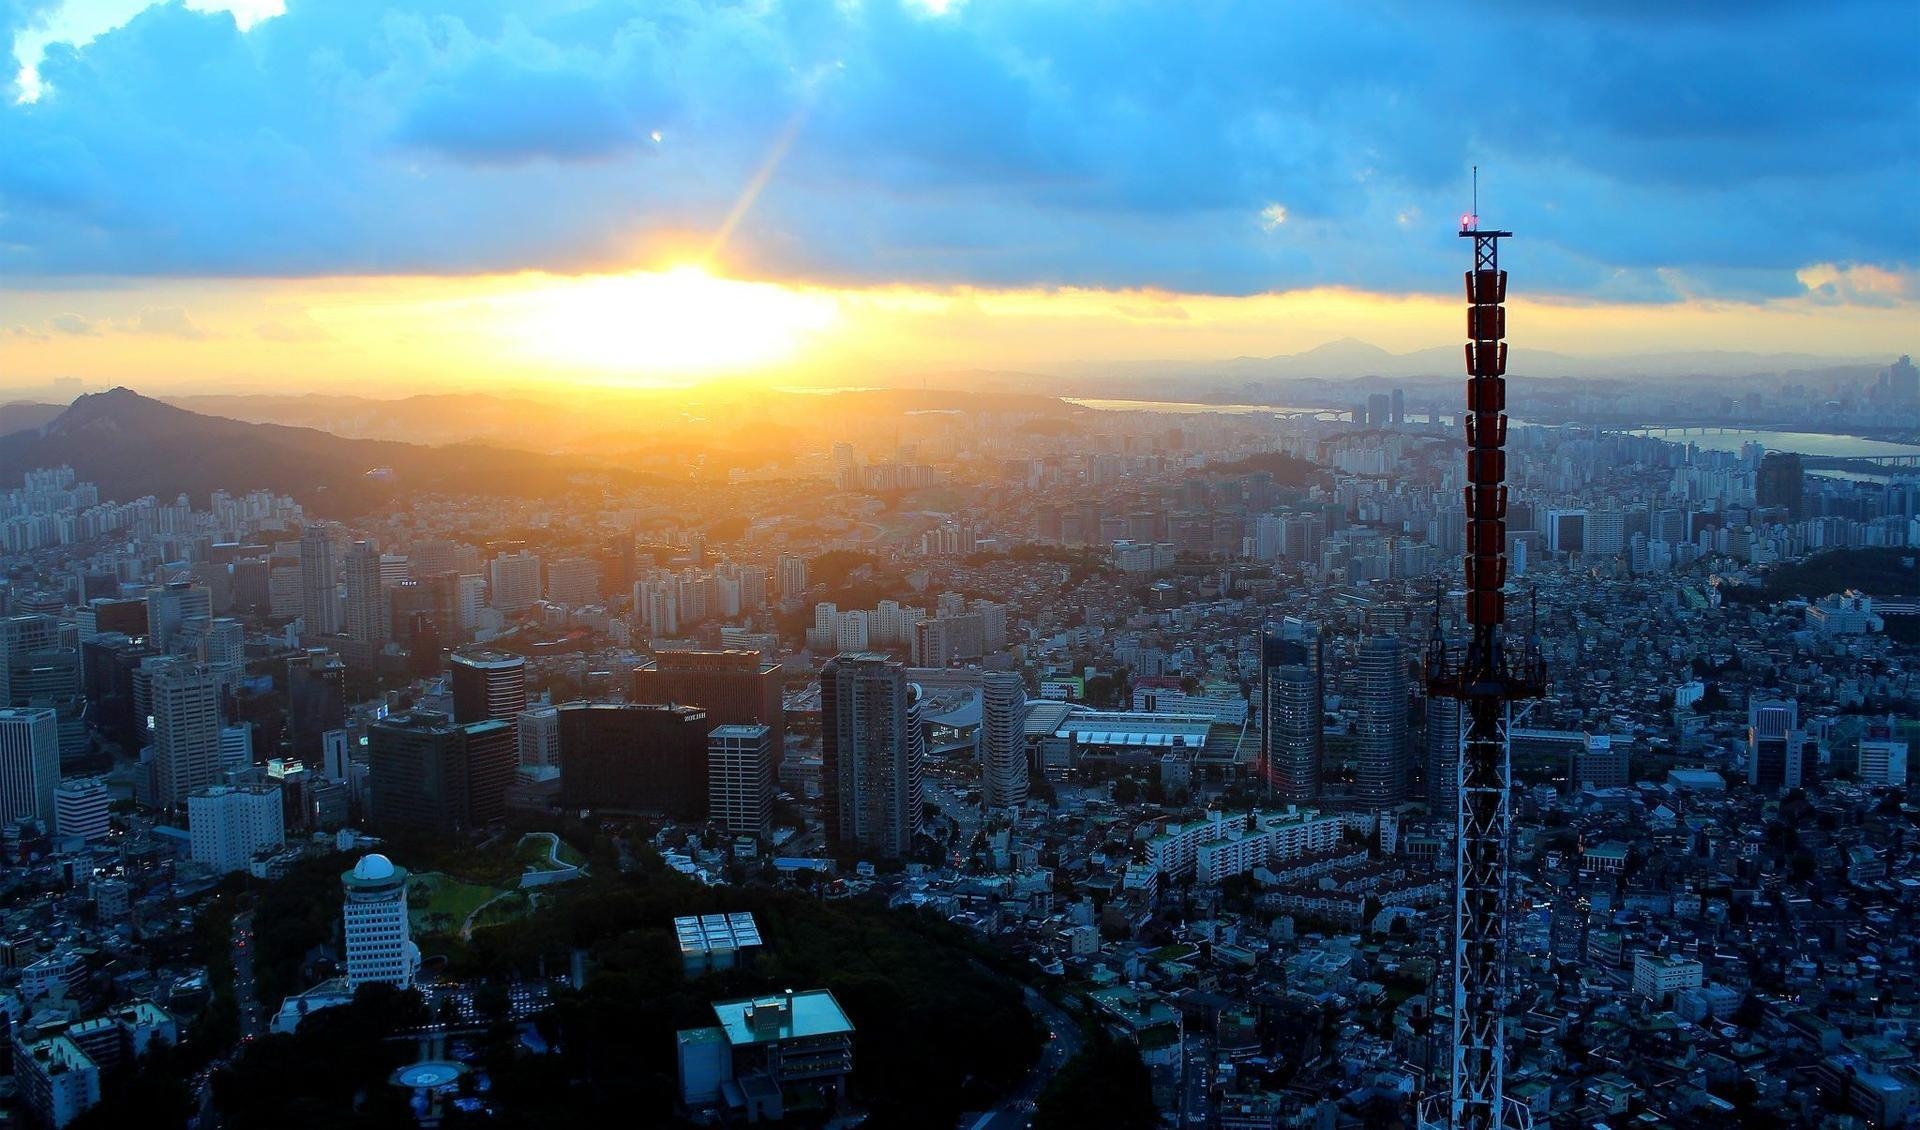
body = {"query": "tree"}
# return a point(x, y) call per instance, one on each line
point(1106, 1085)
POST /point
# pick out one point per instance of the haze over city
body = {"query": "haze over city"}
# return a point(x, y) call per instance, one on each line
point(959, 564)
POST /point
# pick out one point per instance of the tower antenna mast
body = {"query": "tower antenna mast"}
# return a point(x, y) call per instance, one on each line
point(1486, 680)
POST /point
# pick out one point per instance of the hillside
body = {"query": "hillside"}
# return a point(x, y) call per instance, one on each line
point(132, 446)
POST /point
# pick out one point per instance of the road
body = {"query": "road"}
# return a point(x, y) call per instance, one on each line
point(246, 998)
point(1016, 1111)
point(1194, 1103)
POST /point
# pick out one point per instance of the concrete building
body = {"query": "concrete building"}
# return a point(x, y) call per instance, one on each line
point(29, 764)
point(186, 730)
point(1658, 976)
point(380, 949)
point(58, 1081)
point(1003, 741)
point(872, 754)
point(319, 583)
point(80, 808)
point(1380, 722)
point(230, 824)
point(513, 582)
point(367, 621)
point(764, 1051)
point(537, 736)
point(740, 779)
point(488, 685)
point(1292, 719)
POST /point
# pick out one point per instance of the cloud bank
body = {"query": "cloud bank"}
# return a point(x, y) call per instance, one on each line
point(1645, 152)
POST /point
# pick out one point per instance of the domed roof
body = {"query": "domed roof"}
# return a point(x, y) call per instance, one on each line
point(373, 867)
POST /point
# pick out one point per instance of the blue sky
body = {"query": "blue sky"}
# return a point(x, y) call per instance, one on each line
point(1647, 152)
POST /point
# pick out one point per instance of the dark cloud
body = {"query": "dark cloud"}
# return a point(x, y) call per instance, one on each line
point(1646, 151)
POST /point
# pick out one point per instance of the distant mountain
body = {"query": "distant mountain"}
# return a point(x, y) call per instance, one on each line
point(20, 415)
point(134, 446)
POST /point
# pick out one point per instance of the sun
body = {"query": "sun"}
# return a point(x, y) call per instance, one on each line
point(682, 321)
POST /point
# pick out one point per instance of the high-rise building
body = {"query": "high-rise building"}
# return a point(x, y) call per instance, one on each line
point(1380, 683)
point(1883, 763)
point(1292, 709)
point(735, 688)
point(537, 735)
point(21, 638)
point(29, 764)
point(316, 701)
point(1003, 739)
point(319, 584)
point(80, 808)
point(186, 730)
point(367, 620)
point(740, 779)
point(488, 685)
point(872, 755)
point(791, 576)
point(230, 824)
point(172, 606)
point(1776, 746)
point(1782, 482)
point(1443, 756)
point(650, 758)
point(513, 582)
point(573, 582)
point(427, 773)
point(380, 949)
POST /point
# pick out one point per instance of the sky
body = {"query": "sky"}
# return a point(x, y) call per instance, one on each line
point(347, 195)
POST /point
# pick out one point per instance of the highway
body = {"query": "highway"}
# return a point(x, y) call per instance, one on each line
point(245, 997)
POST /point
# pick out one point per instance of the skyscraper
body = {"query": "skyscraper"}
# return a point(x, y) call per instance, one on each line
point(229, 824)
point(1381, 721)
point(80, 807)
point(186, 730)
point(642, 757)
point(427, 773)
point(740, 779)
point(21, 637)
point(872, 754)
point(1003, 739)
point(1292, 710)
point(513, 582)
point(1775, 744)
point(173, 606)
point(1782, 482)
point(537, 736)
point(29, 764)
point(316, 701)
point(374, 914)
point(488, 685)
point(319, 586)
point(735, 688)
point(367, 620)
point(1443, 756)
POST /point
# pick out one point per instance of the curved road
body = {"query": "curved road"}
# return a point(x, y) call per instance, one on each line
point(1016, 1111)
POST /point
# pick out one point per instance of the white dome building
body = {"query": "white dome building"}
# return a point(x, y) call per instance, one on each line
point(380, 948)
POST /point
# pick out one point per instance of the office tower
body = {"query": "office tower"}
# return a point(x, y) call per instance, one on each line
point(80, 806)
point(791, 576)
point(1443, 757)
point(574, 582)
point(172, 606)
point(488, 685)
point(513, 582)
point(319, 585)
point(1775, 744)
point(1397, 415)
point(735, 688)
point(426, 772)
point(470, 590)
point(230, 824)
point(1782, 482)
point(646, 758)
point(872, 755)
point(374, 915)
point(103, 615)
point(336, 755)
point(430, 558)
point(740, 779)
point(1566, 531)
point(236, 746)
point(1883, 763)
point(316, 701)
point(186, 729)
point(22, 637)
point(537, 737)
point(1379, 406)
point(1380, 721)
point(29, 764)
point(1003, 739)
point(1292, 709)
point(366, 595)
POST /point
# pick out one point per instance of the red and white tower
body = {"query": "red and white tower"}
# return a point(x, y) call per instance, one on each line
point(1487, 679)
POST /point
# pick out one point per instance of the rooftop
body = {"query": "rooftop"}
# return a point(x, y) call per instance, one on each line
point(789, 1016)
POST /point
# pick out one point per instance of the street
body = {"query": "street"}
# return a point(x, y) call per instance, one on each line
point(1017, 1110)
point(246, 1000)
